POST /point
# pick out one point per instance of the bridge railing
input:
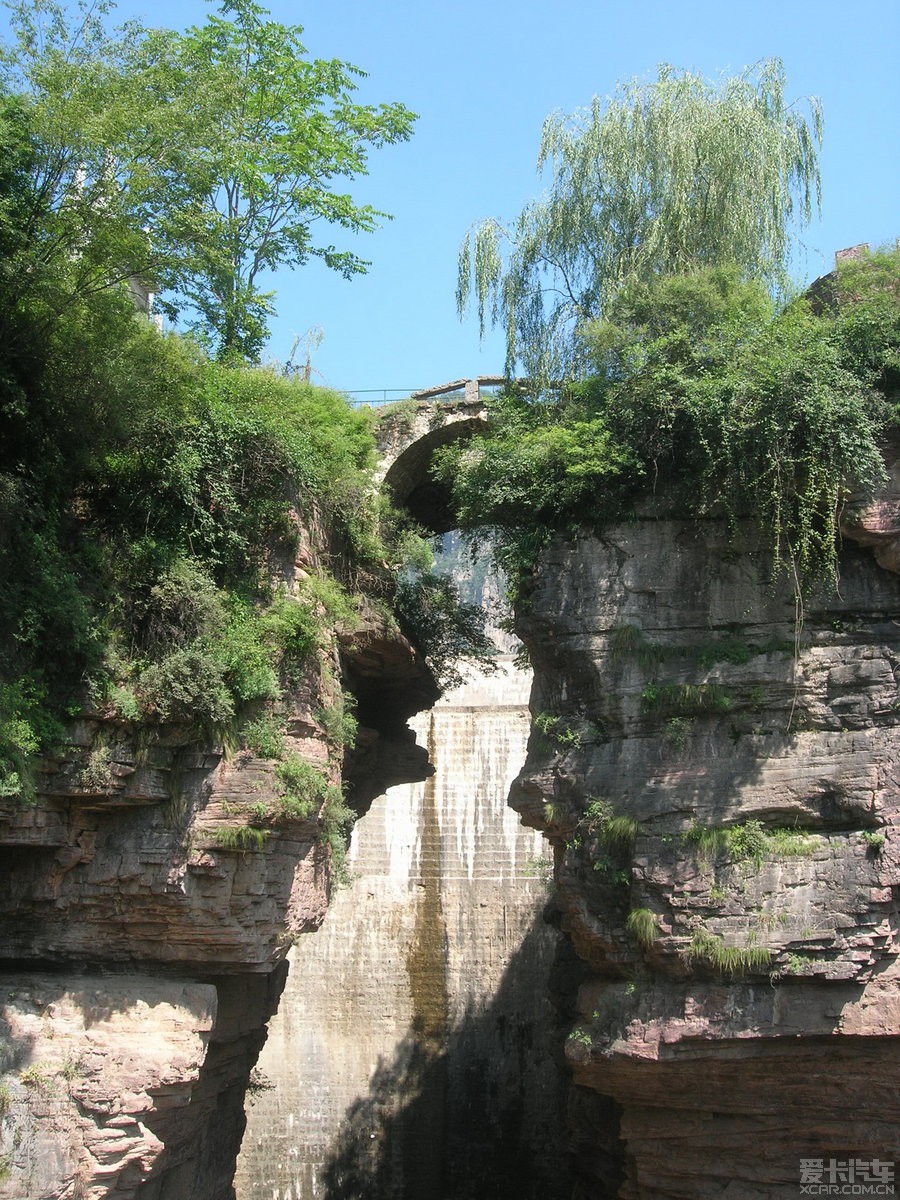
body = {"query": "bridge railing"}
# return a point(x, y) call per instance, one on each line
point(467, 390)
point(375, 397)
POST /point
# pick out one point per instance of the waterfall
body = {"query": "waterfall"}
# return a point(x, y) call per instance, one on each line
point(411, 1053)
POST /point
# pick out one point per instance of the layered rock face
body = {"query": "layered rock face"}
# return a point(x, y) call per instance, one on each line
point(414, 1050)
point(143, 931)
point(716, 763)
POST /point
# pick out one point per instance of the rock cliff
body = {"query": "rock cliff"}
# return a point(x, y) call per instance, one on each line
point(144, 923)
point(715, 762)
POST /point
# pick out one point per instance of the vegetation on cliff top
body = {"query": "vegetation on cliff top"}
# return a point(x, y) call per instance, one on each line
point(645, 298)
point(701, 384)
point(151, 498)
point(148, 498)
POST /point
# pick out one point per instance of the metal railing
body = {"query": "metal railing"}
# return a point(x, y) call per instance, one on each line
point(468, 390)
point(387, 396)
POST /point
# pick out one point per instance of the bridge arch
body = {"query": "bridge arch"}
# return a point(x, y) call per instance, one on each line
point(409, 435)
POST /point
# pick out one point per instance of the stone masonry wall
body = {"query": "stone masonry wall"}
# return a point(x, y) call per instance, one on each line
point(413, 1050)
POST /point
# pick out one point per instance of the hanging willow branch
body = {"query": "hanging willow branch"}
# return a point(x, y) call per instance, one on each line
point(664, 177)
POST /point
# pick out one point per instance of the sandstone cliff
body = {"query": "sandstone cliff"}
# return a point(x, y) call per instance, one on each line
point(716, 765)
point(144, 925)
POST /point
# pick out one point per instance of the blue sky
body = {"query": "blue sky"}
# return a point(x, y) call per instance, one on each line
point(483, 76)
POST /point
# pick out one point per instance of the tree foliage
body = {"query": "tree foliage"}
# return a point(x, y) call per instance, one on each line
point(702, 387)
point(664, 177)
point(449, 632)
point(84, 136)
point(190, 162)
point(267, 134)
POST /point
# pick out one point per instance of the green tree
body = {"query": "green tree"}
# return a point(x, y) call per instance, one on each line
point(76, 156)
point(192, 162)
point(267, 135)
point(665, 177)
point(707, 394)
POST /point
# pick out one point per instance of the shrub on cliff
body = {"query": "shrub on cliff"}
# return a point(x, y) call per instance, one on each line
point(149, 500)
point(701, 385)
point(147, 496)
point(205, 511)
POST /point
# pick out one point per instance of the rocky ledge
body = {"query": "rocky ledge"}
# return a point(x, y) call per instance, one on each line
point(145, 916)
point(715, 761)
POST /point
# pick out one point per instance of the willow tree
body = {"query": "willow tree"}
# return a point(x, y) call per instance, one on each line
point(664, 177)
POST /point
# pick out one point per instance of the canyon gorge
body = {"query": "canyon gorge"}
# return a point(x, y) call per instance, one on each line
point(486, 794)
point(711, 763)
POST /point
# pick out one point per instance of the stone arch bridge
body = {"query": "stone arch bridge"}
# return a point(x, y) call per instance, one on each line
point(409, 432)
